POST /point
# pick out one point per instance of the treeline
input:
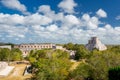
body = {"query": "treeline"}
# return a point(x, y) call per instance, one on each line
point(97, 63)
point(55, 64)
point(10, 55)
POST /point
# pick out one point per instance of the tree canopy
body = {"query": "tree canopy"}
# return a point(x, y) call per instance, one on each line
point(8, 55)
point(50, 64)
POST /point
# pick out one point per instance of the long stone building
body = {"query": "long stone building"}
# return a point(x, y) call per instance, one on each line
point(93, 43)
point(26, 48)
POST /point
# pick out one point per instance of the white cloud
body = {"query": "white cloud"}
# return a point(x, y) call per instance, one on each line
point(13, 31)
point(118, 17)
point(67, 6)
point(71, 19)
point(44, 9)
point(11, 19)
point(15, 19)
point(37, 28)
point(86, 17)
point(108, 26)
point(37, 19)
point(117, 29)
point(101, 13)
point(55, 27)
point(93, 23)
point(90, 22)
point(15, 4)
point(52, 28)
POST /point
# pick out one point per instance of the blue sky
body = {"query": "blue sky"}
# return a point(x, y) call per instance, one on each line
point(59, 21)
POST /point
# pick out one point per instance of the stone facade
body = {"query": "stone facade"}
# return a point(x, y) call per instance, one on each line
point(6, 46)
point(93, 43)
point(59, 47)
point(26, 48)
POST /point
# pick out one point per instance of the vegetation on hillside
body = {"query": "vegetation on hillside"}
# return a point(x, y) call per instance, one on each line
point(55, 64)
point(97, 63)
point(48, 64)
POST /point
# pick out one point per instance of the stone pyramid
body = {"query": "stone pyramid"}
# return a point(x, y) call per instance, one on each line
point(95, 43)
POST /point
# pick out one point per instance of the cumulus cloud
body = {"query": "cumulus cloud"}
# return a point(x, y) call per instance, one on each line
point(44, 9)
point(90, 22)
point(47, 26)
point(71, 19)
point(86, 17)
point(11, 19)
point(101, 13)
point(13, 31)
point(37, 19)
point(67, 6)
point(52, 28)
point(15, 4)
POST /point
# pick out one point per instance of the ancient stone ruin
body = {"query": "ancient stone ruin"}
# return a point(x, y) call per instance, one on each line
point(3, 65)
point(5, 69)
point(95, 43)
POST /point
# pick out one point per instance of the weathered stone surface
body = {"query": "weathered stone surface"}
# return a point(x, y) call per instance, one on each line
point(95, 43)
point(3, 65)
point(5, 69)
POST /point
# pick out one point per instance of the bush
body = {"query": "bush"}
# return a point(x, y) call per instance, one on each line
point(114, 73)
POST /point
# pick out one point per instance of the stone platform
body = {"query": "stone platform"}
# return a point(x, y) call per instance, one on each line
point(6, 70)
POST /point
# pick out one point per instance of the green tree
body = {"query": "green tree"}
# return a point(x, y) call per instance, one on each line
point(60, 54)
point(36, 54)
point(40, 54)
point(69, 46)
point(114, 73)
point(81, 52)
point(54, 67)
point(82, 72)
point(16, 54)
point(32, 53)
point(4, 54)
point(51, 69)
point(55, 64)
point(99, 67)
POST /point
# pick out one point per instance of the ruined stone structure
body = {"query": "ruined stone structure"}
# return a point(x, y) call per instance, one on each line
point(3, 65)
point(95, 43)
point(26, 48)
point(5, 69)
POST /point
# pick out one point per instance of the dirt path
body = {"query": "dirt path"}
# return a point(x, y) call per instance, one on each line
point(75, 64)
